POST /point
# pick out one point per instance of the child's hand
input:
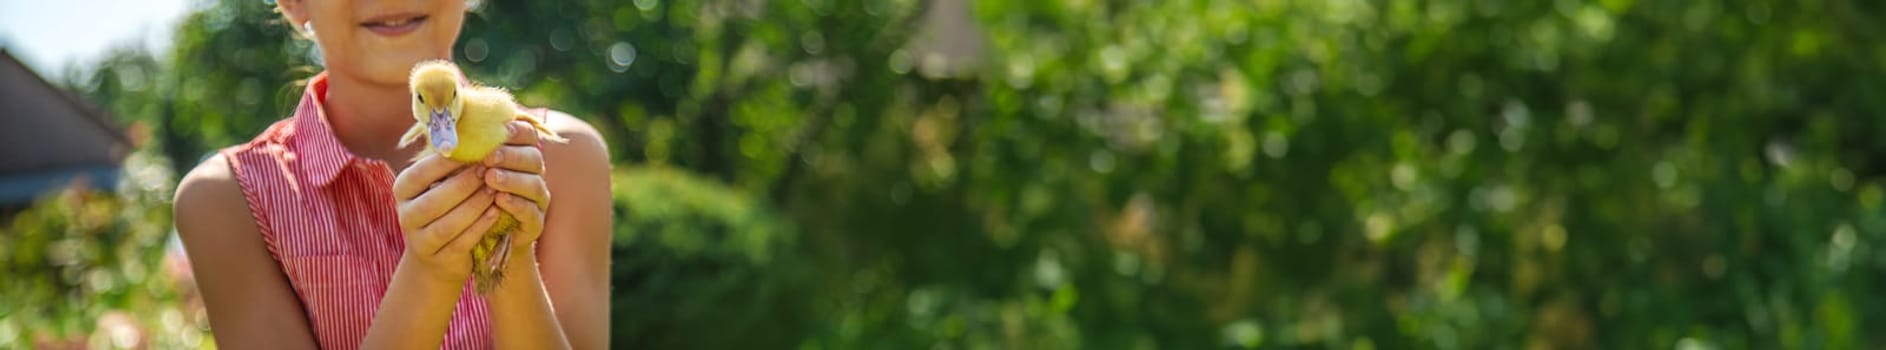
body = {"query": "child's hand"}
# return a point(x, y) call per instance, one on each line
point(444, 210)
point(516, 171)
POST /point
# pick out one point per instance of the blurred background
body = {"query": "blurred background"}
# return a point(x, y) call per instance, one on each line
point(1189, 174)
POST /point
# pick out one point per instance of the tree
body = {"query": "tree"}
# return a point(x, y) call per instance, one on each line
point(1180, 174)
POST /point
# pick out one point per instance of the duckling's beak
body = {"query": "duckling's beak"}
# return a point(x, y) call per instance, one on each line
point(442, 131)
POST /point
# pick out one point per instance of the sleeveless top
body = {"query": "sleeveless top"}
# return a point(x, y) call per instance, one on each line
point(329, 219)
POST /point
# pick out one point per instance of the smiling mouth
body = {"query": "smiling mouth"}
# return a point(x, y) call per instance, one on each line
point(395, 25)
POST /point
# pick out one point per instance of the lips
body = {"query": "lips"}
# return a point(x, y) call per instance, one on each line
point(395, 24)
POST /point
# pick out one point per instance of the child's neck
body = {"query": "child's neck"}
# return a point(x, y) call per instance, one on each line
point(368, 118)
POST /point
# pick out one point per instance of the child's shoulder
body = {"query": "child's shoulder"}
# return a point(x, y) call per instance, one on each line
point(213, 180)
point(207, 176)
point(207, 192)
point(584, 138)
point(585, 151)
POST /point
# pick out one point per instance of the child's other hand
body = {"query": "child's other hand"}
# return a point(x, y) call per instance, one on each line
point(440, 201)
point(516, 172)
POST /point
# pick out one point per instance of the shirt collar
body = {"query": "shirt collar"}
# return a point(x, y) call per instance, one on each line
point(321, 156)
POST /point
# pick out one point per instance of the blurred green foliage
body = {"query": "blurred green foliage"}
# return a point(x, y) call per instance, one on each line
point(88, 269)
point(1176, 174)
point(691, 255)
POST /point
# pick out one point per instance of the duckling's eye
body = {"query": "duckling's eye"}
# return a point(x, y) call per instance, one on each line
point(422, 98)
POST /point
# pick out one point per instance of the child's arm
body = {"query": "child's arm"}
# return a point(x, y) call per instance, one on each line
point(444, 208)
point(561, 288)
point(250, 303)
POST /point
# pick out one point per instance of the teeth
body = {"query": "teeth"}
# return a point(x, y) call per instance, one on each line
point(395, 23)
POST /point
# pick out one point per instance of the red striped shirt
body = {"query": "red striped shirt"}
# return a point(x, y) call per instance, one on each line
point(329, 219)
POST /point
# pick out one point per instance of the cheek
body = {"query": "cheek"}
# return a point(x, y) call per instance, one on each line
point(332, 38)
point(450, 24)
point(333, 23)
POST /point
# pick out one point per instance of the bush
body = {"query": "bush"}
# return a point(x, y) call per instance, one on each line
point(699, 265)
point(1181, 174)
point(86, 268)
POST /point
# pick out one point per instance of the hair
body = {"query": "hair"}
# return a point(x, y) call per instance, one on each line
point(283, 18)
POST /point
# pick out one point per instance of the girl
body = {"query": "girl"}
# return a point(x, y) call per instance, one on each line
point(321, 232)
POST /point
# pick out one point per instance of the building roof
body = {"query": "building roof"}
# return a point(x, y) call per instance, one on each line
point(43, 126)
point(46, 131)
